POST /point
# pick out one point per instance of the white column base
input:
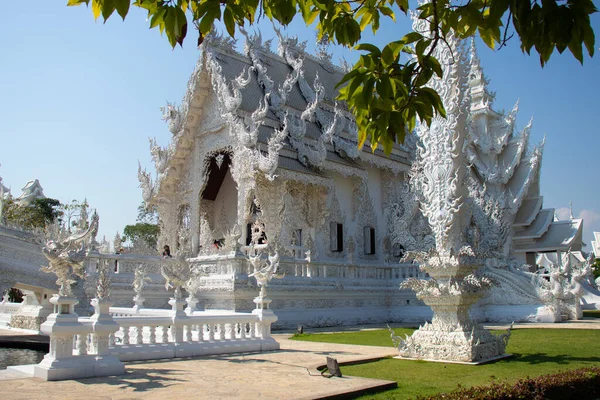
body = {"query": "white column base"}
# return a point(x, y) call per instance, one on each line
point(78, 367)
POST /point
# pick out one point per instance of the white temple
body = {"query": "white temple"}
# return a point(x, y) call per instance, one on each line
point(264, 160)
point(263, 155)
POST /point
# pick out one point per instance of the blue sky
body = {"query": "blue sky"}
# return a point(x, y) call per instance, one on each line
point(79, 100)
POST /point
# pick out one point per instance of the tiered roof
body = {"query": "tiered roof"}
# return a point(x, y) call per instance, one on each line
point(31, 191)
point(280, 109)
point(508, 171)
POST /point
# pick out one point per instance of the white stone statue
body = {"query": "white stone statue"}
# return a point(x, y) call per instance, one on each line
point(66, 259)
point(564, 288)
point(265, 270)
point(139, 281)
point(176, 272)
point(103, 281)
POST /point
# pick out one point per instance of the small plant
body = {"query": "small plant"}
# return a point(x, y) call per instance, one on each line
point(15, 295)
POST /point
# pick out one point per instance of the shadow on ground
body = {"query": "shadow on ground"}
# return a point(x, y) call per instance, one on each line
point(139, 380)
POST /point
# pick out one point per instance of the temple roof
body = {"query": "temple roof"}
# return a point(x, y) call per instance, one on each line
point(31, 191)
point(560, 235)
point(269, 103)
point(539, 226)
point(528, 211)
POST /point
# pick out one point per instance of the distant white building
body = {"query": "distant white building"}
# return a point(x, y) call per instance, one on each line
point(31, 191)
point(596, 245)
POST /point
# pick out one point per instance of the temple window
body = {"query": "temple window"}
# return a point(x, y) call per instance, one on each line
point(369, 240)
point(336, 236)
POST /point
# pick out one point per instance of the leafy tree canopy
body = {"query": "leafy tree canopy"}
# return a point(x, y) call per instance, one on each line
point(146, 229)
point(37, 215)
point(75, 214)
point(148, 233)
point(386, 89)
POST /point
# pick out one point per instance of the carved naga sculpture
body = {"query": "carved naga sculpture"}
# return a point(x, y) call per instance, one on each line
point(66, 259)
point(172, 116)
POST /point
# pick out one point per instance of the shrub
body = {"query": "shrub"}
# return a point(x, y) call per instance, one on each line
point(581, 383)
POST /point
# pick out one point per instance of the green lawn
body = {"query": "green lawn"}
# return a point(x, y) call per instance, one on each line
point(536, 352)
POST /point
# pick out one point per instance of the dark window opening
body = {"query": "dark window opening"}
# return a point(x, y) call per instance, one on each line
point(369, 240)
point(216, 175)
point(336, 237)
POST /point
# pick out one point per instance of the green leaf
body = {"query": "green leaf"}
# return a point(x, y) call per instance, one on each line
point(388, 12)
point(487, 37)
point(390, 52)
point(411, 37)
point(108, 7)
point(229, 22)
point(435, 66)
point(575, 46)
point(157, 18)
point(347, 77)
point(122, 7)
point(370, 48)
point(384, 88)
point(77, 2)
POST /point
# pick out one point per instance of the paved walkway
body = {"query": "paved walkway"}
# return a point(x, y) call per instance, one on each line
point(287, 374)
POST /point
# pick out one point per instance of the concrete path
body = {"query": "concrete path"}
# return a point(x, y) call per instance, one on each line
point(287, 374)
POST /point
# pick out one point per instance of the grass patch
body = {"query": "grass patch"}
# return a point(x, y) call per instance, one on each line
point(536, 352)
point(591, 313)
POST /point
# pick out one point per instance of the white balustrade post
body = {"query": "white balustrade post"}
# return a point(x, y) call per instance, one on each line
point(179, 319)
point(62, 326)
point(265, 318)
point(104, 326)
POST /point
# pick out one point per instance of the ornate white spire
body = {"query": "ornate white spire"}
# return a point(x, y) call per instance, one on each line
point(481, 98)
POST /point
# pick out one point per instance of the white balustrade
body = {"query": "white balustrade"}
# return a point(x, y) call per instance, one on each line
point(154, 337)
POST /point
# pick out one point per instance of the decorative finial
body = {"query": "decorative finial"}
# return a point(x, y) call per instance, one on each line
point(570, 209)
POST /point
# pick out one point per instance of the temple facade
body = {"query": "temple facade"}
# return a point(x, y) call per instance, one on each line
point(263, 159)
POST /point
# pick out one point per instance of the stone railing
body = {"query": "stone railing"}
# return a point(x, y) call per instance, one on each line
point(147, 337)
point(139, 312)
point(124, 263)
point(294, 264)
point(339, 270)
point(96, 346)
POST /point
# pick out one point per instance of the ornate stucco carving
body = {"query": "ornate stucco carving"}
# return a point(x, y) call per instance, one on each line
point(407, 227)
point(332, 128)
point(438, 177)
point(66, 259)
point(366, 218)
